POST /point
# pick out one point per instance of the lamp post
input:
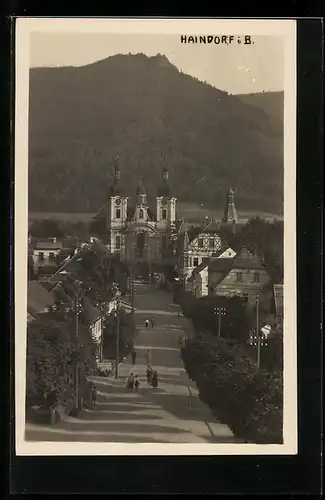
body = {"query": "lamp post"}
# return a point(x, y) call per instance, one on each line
point(219, 311)
point(257, 337)
point(118, 295)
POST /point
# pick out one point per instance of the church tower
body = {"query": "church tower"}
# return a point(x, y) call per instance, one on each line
point(116, 215)
point(230, 213)
point(166, 204)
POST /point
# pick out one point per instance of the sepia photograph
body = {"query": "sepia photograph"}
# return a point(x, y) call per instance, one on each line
point(155, 237)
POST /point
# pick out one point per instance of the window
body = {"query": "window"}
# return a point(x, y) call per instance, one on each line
point(239, 276)
point(141, 213)
point(51, 257)
point(195, 261)
point(245, 297)
point(164, 214)
point(211, 243)
point(41, 256)
point(256, 277)
point(200, 242)
point(118, 213)
point(118, 242)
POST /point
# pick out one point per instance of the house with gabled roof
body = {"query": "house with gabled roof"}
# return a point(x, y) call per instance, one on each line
point(200, 275)
point(198, 244)
point(244, 276)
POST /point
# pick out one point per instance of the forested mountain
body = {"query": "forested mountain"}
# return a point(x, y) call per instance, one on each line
point(270, 102)
point(146, 112)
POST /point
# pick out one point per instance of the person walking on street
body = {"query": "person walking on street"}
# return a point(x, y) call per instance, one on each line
point(133, 355)
point(130, 381)
point(93, 394)
point(149, 374)
point(154, 380)
point(152, 322)
point(136, 383)
point(146, 323)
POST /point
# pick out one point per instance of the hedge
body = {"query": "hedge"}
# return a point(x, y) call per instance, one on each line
point(248, 400)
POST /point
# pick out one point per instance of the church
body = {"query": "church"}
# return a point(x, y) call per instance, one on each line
point(136, 232)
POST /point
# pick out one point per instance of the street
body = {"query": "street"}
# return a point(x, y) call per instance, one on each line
point(170, 413)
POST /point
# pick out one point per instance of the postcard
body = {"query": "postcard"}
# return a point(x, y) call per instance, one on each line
point(155, 237)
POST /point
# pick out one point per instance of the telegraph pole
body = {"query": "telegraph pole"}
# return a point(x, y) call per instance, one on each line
point(219, 311)
point(258, 339)
point(117, 333)
point(78, 310)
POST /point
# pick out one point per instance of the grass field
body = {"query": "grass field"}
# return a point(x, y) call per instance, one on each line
point(191, 212)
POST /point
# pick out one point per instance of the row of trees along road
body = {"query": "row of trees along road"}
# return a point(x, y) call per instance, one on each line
point(246, 397)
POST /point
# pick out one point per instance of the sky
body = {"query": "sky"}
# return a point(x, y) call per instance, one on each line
point(234, 68)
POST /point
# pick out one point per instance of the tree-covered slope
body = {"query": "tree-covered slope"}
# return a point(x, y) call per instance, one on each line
point(144, 111)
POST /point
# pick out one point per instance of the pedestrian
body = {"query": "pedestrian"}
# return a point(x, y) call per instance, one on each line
point(133, 356)
point(93, 394)
point(148, 357)
point(154, 380)
point(149, 374)
point(130, 381)
point(178, 314)
point(136, 383)
point(152, 322)
point(146, 323)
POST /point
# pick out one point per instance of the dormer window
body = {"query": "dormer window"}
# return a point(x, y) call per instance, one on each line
point(200, 241)
point(164, 214)
point(141, 213)
point(118, 213)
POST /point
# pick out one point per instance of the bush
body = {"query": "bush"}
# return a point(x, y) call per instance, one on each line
point(247, 400)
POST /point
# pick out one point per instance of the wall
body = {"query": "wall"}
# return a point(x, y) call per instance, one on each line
point(230, 285)
point(46, 253)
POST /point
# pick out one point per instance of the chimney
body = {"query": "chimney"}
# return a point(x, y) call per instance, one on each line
point(91, 239)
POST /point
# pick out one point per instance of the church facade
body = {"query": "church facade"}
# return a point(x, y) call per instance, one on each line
point(136, 232)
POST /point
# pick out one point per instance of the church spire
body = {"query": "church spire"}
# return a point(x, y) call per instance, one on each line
point(230, 213)
point(141, 193)
point(115, 188)
point(164, 186)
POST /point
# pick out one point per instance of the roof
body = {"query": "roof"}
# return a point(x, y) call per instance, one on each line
point(208, 227)
point(38, 298)
point(49, 245)
point(246, 260)
point(243, 260)
point(278, 299)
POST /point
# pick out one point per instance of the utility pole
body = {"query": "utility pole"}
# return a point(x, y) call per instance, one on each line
point(219, 311)
point(78, 311)
point(117, 333)
point(258, 335)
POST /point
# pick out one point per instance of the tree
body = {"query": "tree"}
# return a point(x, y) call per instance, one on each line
point(52, 349)
point(46, 228)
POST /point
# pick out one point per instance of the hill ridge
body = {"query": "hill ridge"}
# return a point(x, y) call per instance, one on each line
point(82, 118)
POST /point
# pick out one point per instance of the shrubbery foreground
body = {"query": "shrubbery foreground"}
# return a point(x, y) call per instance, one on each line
point(248, 400)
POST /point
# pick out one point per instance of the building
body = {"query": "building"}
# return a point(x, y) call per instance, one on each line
point(244, 276)
point(46, 253)
point(137, 232)
point(200, 276)
point(196, 245)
